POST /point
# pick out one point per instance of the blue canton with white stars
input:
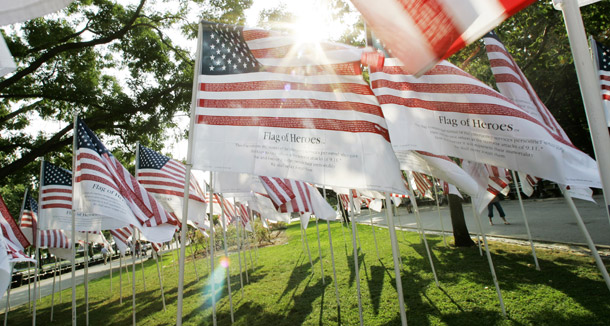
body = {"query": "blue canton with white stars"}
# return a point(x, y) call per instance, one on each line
point(150, 159)
point(30, 204)
point(87, 139)
point(54, 175)
point(224, 51)
point(603, 54)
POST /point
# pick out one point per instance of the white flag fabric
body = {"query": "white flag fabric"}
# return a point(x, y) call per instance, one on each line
point(10, 230)
point(122, 237)
point(270, 105)
point(105, 188)
point(422, 32)
point(12, 11)
point(263, 204)
point(7, 64)
point(237, 184)
point(493, 184)
point(450, 112)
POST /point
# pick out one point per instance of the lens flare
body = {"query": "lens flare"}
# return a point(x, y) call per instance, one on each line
point(224, 262)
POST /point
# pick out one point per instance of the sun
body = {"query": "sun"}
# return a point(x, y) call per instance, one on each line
point(313, 22)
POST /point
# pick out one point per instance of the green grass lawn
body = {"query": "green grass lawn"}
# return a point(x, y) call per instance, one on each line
point(284, 290)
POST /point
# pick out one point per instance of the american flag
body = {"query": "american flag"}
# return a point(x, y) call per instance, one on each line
point(277, 190)
point(422, 32)
point(527, 183)
point(9, 228)
point(97, 167)
point(160, 174)
point(222, 203)
point(29, 218)
point(14, 253)
point(499, 179)
point(513, 84)
point(121, 237)
point(53, 239)
point(261, 93)
point(56, 188)
point(602, 53)
point(422, 184)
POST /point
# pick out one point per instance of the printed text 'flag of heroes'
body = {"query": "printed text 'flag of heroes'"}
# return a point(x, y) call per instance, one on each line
point(270, 105)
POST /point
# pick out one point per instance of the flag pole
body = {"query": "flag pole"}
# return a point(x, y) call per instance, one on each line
point(423, 232)
point(212, 244)
point(8, 299)
point(29, 286)
point(374, 236)
point(585, 233)
point(332, 257)
point(491, 264)
point(438, 209)
point(60, 296)
point(137, 179)
point(395, 255)
point(53, 289)
point(356, 266)
point(589, 88)
point(120, 277)
point(527, 226)
point(87, 278)
point(194, 261)
point(224, 237)
point(142, 261)
point(110, 261)
point(474, 214)
point(187, 176)
point(160, 281)
point(133, 276)
point(73, 235)
point(320, 251)
point(304, 237)
point(241, 279)
point(242, 242)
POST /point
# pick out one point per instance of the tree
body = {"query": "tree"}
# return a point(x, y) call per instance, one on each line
point(118, 66)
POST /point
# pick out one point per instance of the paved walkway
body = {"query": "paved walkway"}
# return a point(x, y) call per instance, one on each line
point(550, 220)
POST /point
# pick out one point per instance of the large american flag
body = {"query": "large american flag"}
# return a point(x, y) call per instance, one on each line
point(9, 228)
point(447, 111)
point(422, 32)
point(602, 53)
point(270, 105)
point(96, 168)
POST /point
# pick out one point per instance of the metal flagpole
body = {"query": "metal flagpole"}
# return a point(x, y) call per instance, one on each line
point(29, 286)
point(8, 299)
point(438, 208)
point(86, 278)
point(589, 88)
point(212, 244)
point(250, 244)
point(320, 252)
point(187, 176)
point(395, 256)
point(60, 296)
point(304, 235)
point(160, 281)
point(53, 289)
point(332, 257)
point(37, 257)
point(585, 233)
point(475, 215)
point(374, 236)
point(110, 261)
point(194, 261)
point(242, 242)
point(133, 276)
point(177, 252)
point(491, 264)
point(241, 278)
point(527, 226)
point(74, 221)
point(423, 232)
point(139, 236)
point(224, 237)
point(356, 266)
point(120, 277)
point(341, 208)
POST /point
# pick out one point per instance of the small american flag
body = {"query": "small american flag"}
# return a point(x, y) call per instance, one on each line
point(53, 239)
point(56, 187)
point(29, 218)
point(160, 174)
point(422, 184)
point(602, 53)
point(9, 228)
point(97, 167)
point(120, 237)
point(277, 190)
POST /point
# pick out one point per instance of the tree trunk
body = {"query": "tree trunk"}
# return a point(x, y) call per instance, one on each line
point(461, 237)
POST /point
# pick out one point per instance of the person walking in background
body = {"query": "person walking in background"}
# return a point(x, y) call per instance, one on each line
point(104, 253)
point(490, 210)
